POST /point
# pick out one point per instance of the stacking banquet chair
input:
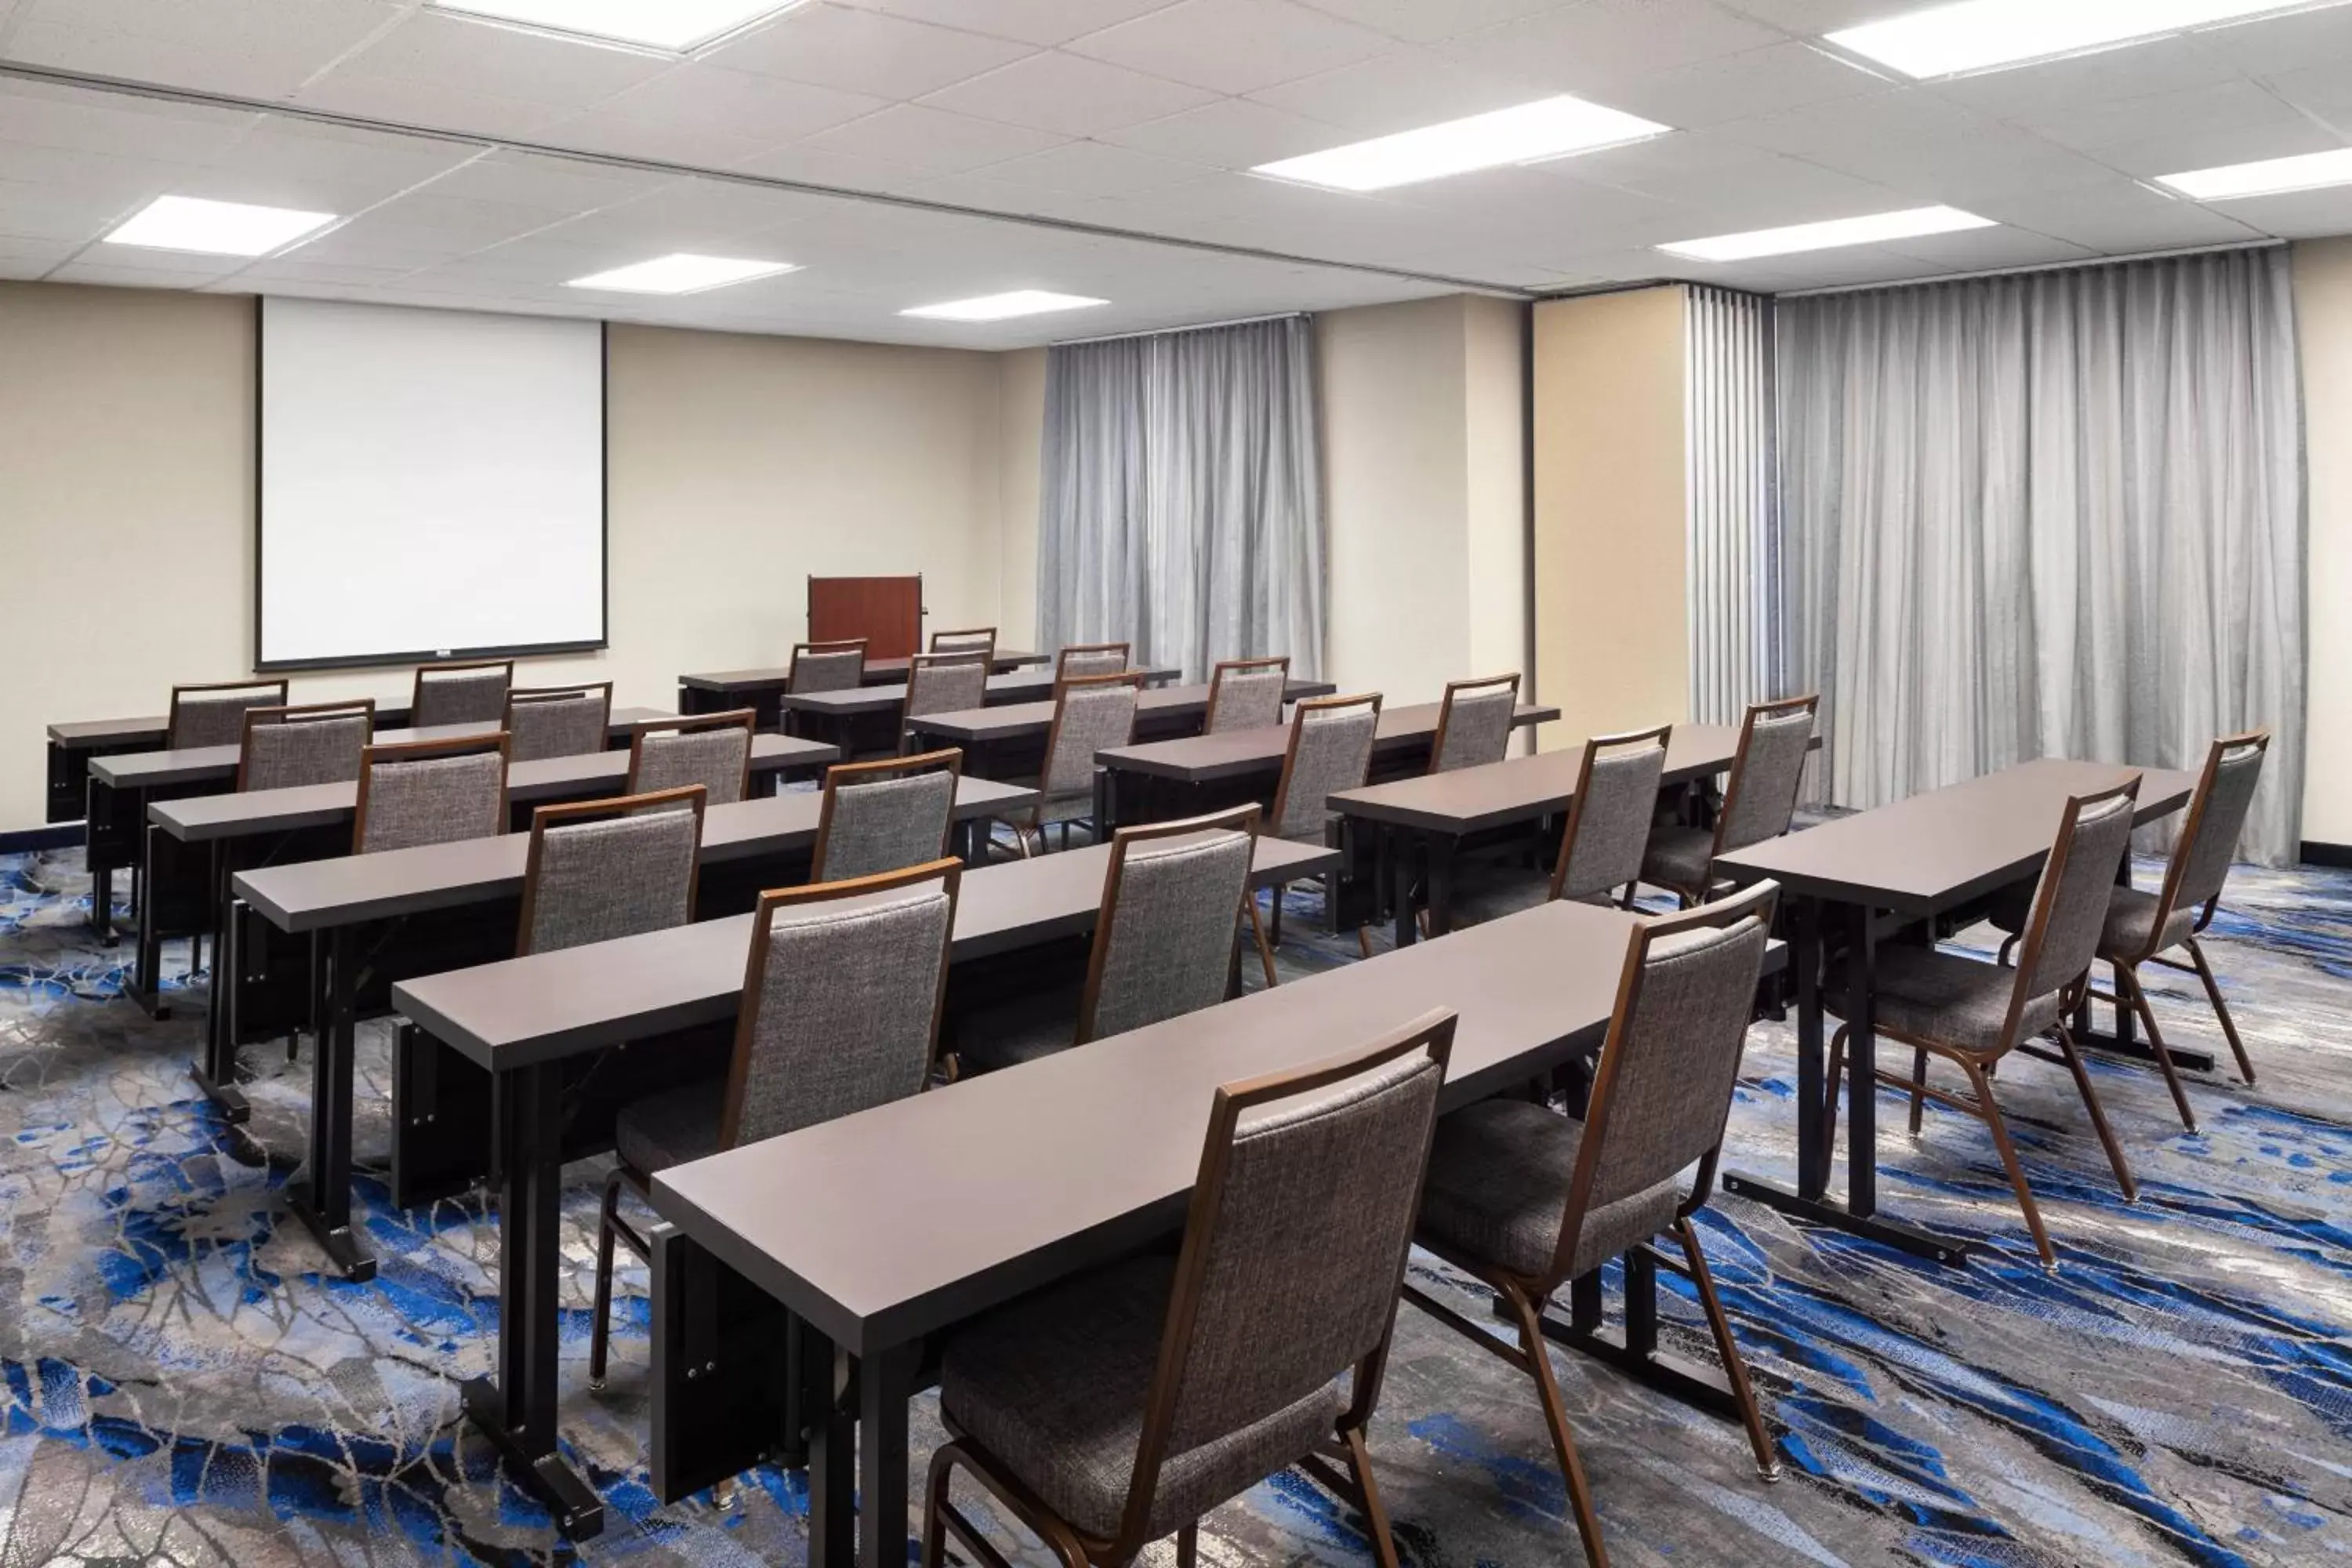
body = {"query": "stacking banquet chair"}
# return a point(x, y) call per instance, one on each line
point(942, 683)
point(885, 816)
point(1118, 1407)
point(459, 693)
point(1474, 723)
point(557, 720)
point(1609, 819)
point(1526, 1199)
point(2141, 926)
point(978, 642)
point(1091, 713)
point(1080, 660)
point(1246, 693)
point(1163, 944)
point(1972, 1015)
point(213, 714)
point(599, 870)
point(1758, 802)
point(840, 1013)
point(431, 792)
point(826, 667)
point(316, 745)
point(713, 750)
point(1330, 750)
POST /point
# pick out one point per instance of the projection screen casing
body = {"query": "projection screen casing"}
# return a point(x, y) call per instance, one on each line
point(431, 484)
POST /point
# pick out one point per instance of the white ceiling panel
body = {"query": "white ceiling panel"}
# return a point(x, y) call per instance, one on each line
point(2118, 217)
point(443, 49)
point(2229, 122)
point(1742, 86)
point(1055, 90)
point(1042, 22)
point(1433, 21)
point(1232, 134)
point(933, 140)
point(764, 110)
point(1234, 46)
point(1598, 45)
point(2296, 214)
point(865, 51)
point(1396, 91)
point(1096, 169)
point(262, 47)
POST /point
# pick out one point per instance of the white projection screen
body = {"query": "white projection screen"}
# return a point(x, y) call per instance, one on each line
point(432, 484)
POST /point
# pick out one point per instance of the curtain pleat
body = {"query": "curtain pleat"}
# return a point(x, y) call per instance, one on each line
point(1730, 503)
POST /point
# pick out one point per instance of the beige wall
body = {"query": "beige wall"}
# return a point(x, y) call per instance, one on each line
point(1612, 640)
point(2322, 301)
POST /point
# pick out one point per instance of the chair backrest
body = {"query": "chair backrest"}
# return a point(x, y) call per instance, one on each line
point(1608, 820)
point(1662, 1089)
point(431, 792)
point(1081, 659)
point(1246, 693)
point(1774, 739)
point(1330, 750)
point(885, 816)
point(1294, 1247)
point(213, 714)
point(945, 683)
point(602, 870)
point(1163, 941)
point(2070, 898)
point(826, 667)
point(319, 743)
point(977, 640)
point(1090, 712)
point(841, 999)
point(459, 693)
point(2217, 815)
point(1474, 723)
point(713, 750)
point(558, 721)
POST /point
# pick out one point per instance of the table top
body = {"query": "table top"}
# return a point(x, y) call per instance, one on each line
point(878, 671)
point(524, 1011)
point(81, 734)
point(1940, 849)
point(147, 769)
point(1021, 686)
point(350, 890)
point(197, 819)
point(1013, 719)
point(1195, 758)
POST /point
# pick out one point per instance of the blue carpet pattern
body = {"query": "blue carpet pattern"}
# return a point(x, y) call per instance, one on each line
point(180, 1383)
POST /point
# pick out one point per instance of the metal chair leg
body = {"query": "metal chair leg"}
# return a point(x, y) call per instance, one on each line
point(1735, 1371)
point(1571, 1468)
point(2098, 1113)
point(600, 1326)
point(1918, 1083)
point(1376, 1510)
point(1981, 1086)
point(2127, 979)
point(2220, 1010)
point(1188, 1547)
point(1258, 930)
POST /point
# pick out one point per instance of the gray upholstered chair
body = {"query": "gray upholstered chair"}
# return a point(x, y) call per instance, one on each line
point(942, 683)
point(885, 816)
point(1761, 796)
point(1091, 713)
point(459, 693)
point(316, 745)
point(840, 1013)
point(1246, 693)
point(1526, 1199)
point(1119, 1407)
point(1163, 942)
point(713, 750)
point(1474, 723)
point(826, 667)
point(431, 792)
point(213, 714)
point(1330, 750)
point(1082, 660)
point(557, 720)
point(2142, 926)
point(1608, 821)
point(599, 870)
point(976, 641)
point(1972, 1015)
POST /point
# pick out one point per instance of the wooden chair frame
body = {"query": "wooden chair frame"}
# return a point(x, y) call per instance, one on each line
point(427, 671)
point(1299, 712)
point(1062, 688)
point(1231, 666)
point(745, 719)
point(1445, 709)
point(1062, 660)
point(947, 759)
point(923, 661)
point(309, 712)
point(172, 720)
point(1757, 713)
point(418, 750)
point(792, 669)
point(987, 654)
point(1628, 741)
point(525, 695)
point(693, 796)
point(1245, 819)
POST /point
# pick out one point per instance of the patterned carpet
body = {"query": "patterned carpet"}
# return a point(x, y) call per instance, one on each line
point(183, 1384)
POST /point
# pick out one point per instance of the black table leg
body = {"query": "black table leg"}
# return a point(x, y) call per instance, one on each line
point(885, 1381)
point(102, 904)
point(147, 956)
point(324, 1201)
point(832, 1455)
point(1402, 857)
point(516, 1411)
point(1441, 883)
point(215, 1071)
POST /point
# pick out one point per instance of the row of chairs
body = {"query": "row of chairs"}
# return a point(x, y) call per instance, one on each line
point(212, 713)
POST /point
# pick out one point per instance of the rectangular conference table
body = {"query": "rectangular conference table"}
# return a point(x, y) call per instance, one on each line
point(370, 912)
point(1916, 861)
point(1008, 741)
point(523, 1021)
point(73, 744)
point(866, 719)
point(716, 692)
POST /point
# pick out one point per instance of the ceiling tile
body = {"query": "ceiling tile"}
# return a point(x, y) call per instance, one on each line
point(230, 48)
point(761, 108)
point(1978, 249)
point(1029, 21)
point(1740, 87)
point(865, 51)
point(128, 126)
point(2116, 215)
point(1927, 148)
point(2231, 122)
point(1811, 18)
point(1051, 90)
point(824, 166)
point(932, 138)
point(431, 105)
point(2284, 43)
point(2295, 215)
point(2057, 90)
point(2324, 92)
point(1231, 134)
point(443, 50)
point(1095, 169)
point(1430, 21)
point(691, 146)
point(1600, 46)
point(1234, 46)
point(1401, 91)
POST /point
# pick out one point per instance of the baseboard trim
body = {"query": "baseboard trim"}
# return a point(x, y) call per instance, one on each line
point(56, 835)
point(2318, 854)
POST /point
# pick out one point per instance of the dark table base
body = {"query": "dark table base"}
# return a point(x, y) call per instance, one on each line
point(1916, 1240)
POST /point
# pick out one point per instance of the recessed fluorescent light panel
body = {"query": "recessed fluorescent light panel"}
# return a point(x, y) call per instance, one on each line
point(1907, 225)
point(1985, 35)
point(679, 26)
point(680, 273)
point(1549, 128)
point(1003, 307)
point(215, 228)
point(2271, 175)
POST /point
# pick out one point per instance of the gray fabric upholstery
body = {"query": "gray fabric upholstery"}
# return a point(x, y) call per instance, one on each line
point(572, 725)
point(1678, 856)
point(1093, 661)
point(670, 759)
point(1940, 997)
point(848, 999)
point(217, 718)
point(1167, 944)
point(2231, 800)
point(1477, 724)
point(1247, 698)
point(1762, 794)
point(948, 687)
point(887, 824)
point(305, 751)
point(464, 696)
point(622, 876)
point(2078, 902)
point(433, 800)
point(2130, 930)
point(1498, 1193)
point(1333, 752)
point(840, 672)
point(1612, 821)
point(673, 1127)
point(1090, 718)
point(980, 642)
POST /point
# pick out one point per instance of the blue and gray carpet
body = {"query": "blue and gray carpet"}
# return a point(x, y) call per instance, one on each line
point(184, 1385)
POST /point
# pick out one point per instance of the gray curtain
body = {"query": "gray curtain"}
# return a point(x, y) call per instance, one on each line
point(1181, 505)
point(1727, 346)
point(2058, 513)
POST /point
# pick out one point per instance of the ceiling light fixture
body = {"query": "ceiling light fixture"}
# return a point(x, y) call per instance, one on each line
point(1986, 35)
point(679, 27)
point(680, 273)
point(1529, 133)
point(215, 228)
point(2308, 172)
point(1003, 307)
point(1906, 225)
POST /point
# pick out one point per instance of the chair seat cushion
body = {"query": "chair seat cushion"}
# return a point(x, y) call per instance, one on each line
point(2130, 924)
point(672, 1128)
point(1498, 1191)
point(1053, 1389)
point(1678, 856)
point(1954, 1001)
